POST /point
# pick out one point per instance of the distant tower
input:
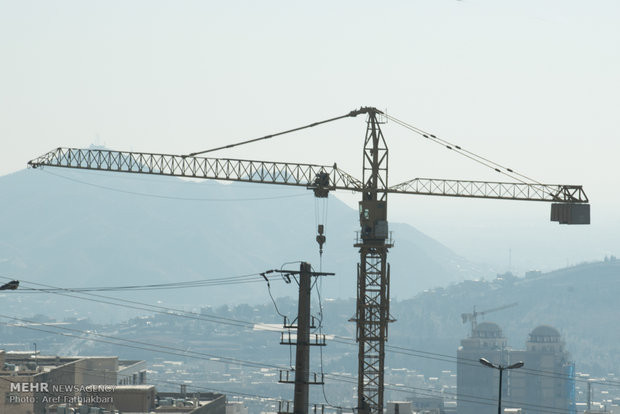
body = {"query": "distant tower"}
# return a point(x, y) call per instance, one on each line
point(538, 394)
point(476, 384)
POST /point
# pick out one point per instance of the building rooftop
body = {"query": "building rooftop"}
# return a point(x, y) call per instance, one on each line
point(545, 333)
point(487, 330)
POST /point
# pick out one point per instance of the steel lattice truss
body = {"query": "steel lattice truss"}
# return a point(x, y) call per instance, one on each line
point(375, 161)
point(489, 189)
point(293, 174)
point(372, 326)
point(303, 175)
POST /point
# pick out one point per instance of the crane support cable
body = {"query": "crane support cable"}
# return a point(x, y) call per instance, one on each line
point(471, 155)
point(350, 114)
point(533, 190)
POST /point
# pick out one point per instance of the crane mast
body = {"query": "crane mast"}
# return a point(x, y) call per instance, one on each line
point(373, 273)
point(372, 316)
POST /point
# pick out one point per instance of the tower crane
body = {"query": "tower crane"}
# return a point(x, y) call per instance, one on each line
point(570, 206)
point(472, 317)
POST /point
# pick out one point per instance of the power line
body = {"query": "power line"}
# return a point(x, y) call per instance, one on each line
point(132, 343)
point(250, 325)
point(151, 381)
point(465, 361)
point(132, 304)
point(144, 346)
point(243, 279)
point(459, 397)
point(212, 358)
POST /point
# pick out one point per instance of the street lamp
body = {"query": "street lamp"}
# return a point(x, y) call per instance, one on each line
point(501, 369)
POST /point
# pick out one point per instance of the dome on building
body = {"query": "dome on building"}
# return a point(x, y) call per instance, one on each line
point(545, 333)
point(487, 330)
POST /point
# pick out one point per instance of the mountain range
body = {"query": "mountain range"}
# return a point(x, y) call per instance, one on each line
point(81, 229)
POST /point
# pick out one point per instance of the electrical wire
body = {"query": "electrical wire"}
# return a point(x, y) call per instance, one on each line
point(346, 379)
point(144, 346)
point(233, 280)
point(337, 339)
point(131, 343)
point(193, 354)
point(275, 305)
point(320, 330)
point(454, 396)
point(132, 304)
point(470, 362)
point(152, 381)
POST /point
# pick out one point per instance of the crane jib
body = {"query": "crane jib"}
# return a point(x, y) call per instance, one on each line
point(569, 201)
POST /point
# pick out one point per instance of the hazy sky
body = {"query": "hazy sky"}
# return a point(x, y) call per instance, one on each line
point(533, 85)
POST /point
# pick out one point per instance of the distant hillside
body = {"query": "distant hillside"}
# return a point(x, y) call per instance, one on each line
point(80, 229)
point(580, 301)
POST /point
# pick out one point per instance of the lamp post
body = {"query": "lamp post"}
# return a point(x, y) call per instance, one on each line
point(501, 369)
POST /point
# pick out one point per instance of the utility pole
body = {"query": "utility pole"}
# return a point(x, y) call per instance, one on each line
point(302, 355)
point(302, 342)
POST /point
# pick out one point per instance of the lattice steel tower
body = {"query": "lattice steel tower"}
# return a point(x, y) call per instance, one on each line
point(373, 272)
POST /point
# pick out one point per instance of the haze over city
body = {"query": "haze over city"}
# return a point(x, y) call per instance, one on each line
point(524, 87)
point(529, 85)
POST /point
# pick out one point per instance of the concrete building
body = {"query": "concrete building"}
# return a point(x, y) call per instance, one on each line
point(30, 383)
point(477, 385)
point(399, 407)
point(191, 403)
point(236, 407)
point(545, 383)
point(428, 405)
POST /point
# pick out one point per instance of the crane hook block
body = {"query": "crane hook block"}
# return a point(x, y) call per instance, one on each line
point(320, 238)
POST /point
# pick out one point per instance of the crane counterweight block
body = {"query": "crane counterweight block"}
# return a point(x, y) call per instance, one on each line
point(570, 213)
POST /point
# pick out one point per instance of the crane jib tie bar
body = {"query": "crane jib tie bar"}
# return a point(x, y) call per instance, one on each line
point(353, 113)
